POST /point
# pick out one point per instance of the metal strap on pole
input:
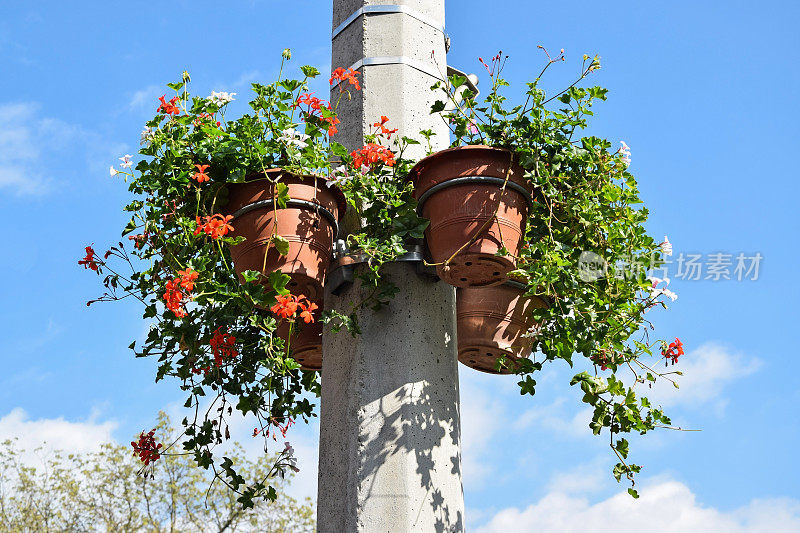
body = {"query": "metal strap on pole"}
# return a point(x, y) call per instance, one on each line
point(422, 66)
point(389, 9)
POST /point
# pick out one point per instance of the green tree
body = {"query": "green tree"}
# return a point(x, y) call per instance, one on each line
point(108, 490)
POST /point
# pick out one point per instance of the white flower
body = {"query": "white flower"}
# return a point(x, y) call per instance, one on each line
point(656, 281)
point(338, 177)
point(221, 98)
point(666, 246)
point(669, 294)
point(126, 161)
point(147, 136)
point(113, 171)
point(290, 136)
point(626, 153)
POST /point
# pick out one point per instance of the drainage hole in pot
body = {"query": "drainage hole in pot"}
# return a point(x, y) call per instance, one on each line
point(468, 263)
point(293, 284)
point(495, 273)
point(472, 361)
point(463, 279)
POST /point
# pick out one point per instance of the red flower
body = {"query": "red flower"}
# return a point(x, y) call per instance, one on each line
point(384, 130)
point(372, 154)
point(333, 121)
point(348, 75)
point(146, 448)
point(168, 107)
point(89, 261)
point(201, 175)
point(307, 310)
point(215, 226)
point(313, 102)
point(286, 306)
point(222, 346)
point(673, 351)
point(187, 278)
point(173, 298)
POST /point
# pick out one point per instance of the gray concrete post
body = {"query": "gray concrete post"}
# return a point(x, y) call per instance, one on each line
point(390, 435)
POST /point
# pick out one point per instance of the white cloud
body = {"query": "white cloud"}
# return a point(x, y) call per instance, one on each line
point(143, 98)
point(32, 149)
point(56, 433)
point(707, 371)
point(664, 507)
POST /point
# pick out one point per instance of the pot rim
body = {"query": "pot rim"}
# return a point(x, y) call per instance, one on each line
point(413, 174)
point(320, 184)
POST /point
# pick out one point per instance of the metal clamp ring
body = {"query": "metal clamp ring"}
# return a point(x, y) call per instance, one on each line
point(474, 179)
point(292, 202)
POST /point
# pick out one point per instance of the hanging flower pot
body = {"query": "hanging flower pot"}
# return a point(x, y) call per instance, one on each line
point(308, 223)
point(460, 190)
point(491, 322)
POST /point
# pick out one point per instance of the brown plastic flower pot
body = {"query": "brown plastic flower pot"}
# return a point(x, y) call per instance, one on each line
point(306, 343)
point(459, 190)
point(308, 223)
point(491, 322)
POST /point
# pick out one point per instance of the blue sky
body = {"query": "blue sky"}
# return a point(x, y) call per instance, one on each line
point(706, 96)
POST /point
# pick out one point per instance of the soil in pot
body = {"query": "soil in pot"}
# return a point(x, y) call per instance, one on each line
point(308, 223)
point(491, 322)
point(460, 192)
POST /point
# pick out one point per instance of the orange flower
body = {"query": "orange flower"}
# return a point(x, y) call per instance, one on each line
point(348, 75)
point(307, 310)
point(286, 306)
point(201, 175)
point(384, 130)
point(168, 107)
point(215, 226)
point(173, 298)
point(187, 278)
point(372, 154)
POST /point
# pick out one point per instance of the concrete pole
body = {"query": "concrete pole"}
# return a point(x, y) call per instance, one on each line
point(390, 435)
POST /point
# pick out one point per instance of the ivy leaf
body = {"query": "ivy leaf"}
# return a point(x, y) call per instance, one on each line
point(281, 244)
point(437, 107)
point(278, 280)
point(633, 493)
point(282, 195)
point(527, 386)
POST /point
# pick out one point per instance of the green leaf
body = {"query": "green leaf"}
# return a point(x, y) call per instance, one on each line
point(131, 226)
point(633, 493)
point(278, 280)
point(437, 107)
point(309, 71)
point(281, 244)
point(282, 195)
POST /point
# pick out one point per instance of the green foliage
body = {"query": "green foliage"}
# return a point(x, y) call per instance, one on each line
point(586, 201)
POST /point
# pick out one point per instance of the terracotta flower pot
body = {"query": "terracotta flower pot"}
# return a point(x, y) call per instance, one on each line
point(306, 342)
point(309, 223)
point(491, 322)
point(458, 191)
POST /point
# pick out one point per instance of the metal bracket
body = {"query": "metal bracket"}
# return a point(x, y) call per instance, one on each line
point(474, 179)
point(342, 276)
point(292, 202)
point(413, 13)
